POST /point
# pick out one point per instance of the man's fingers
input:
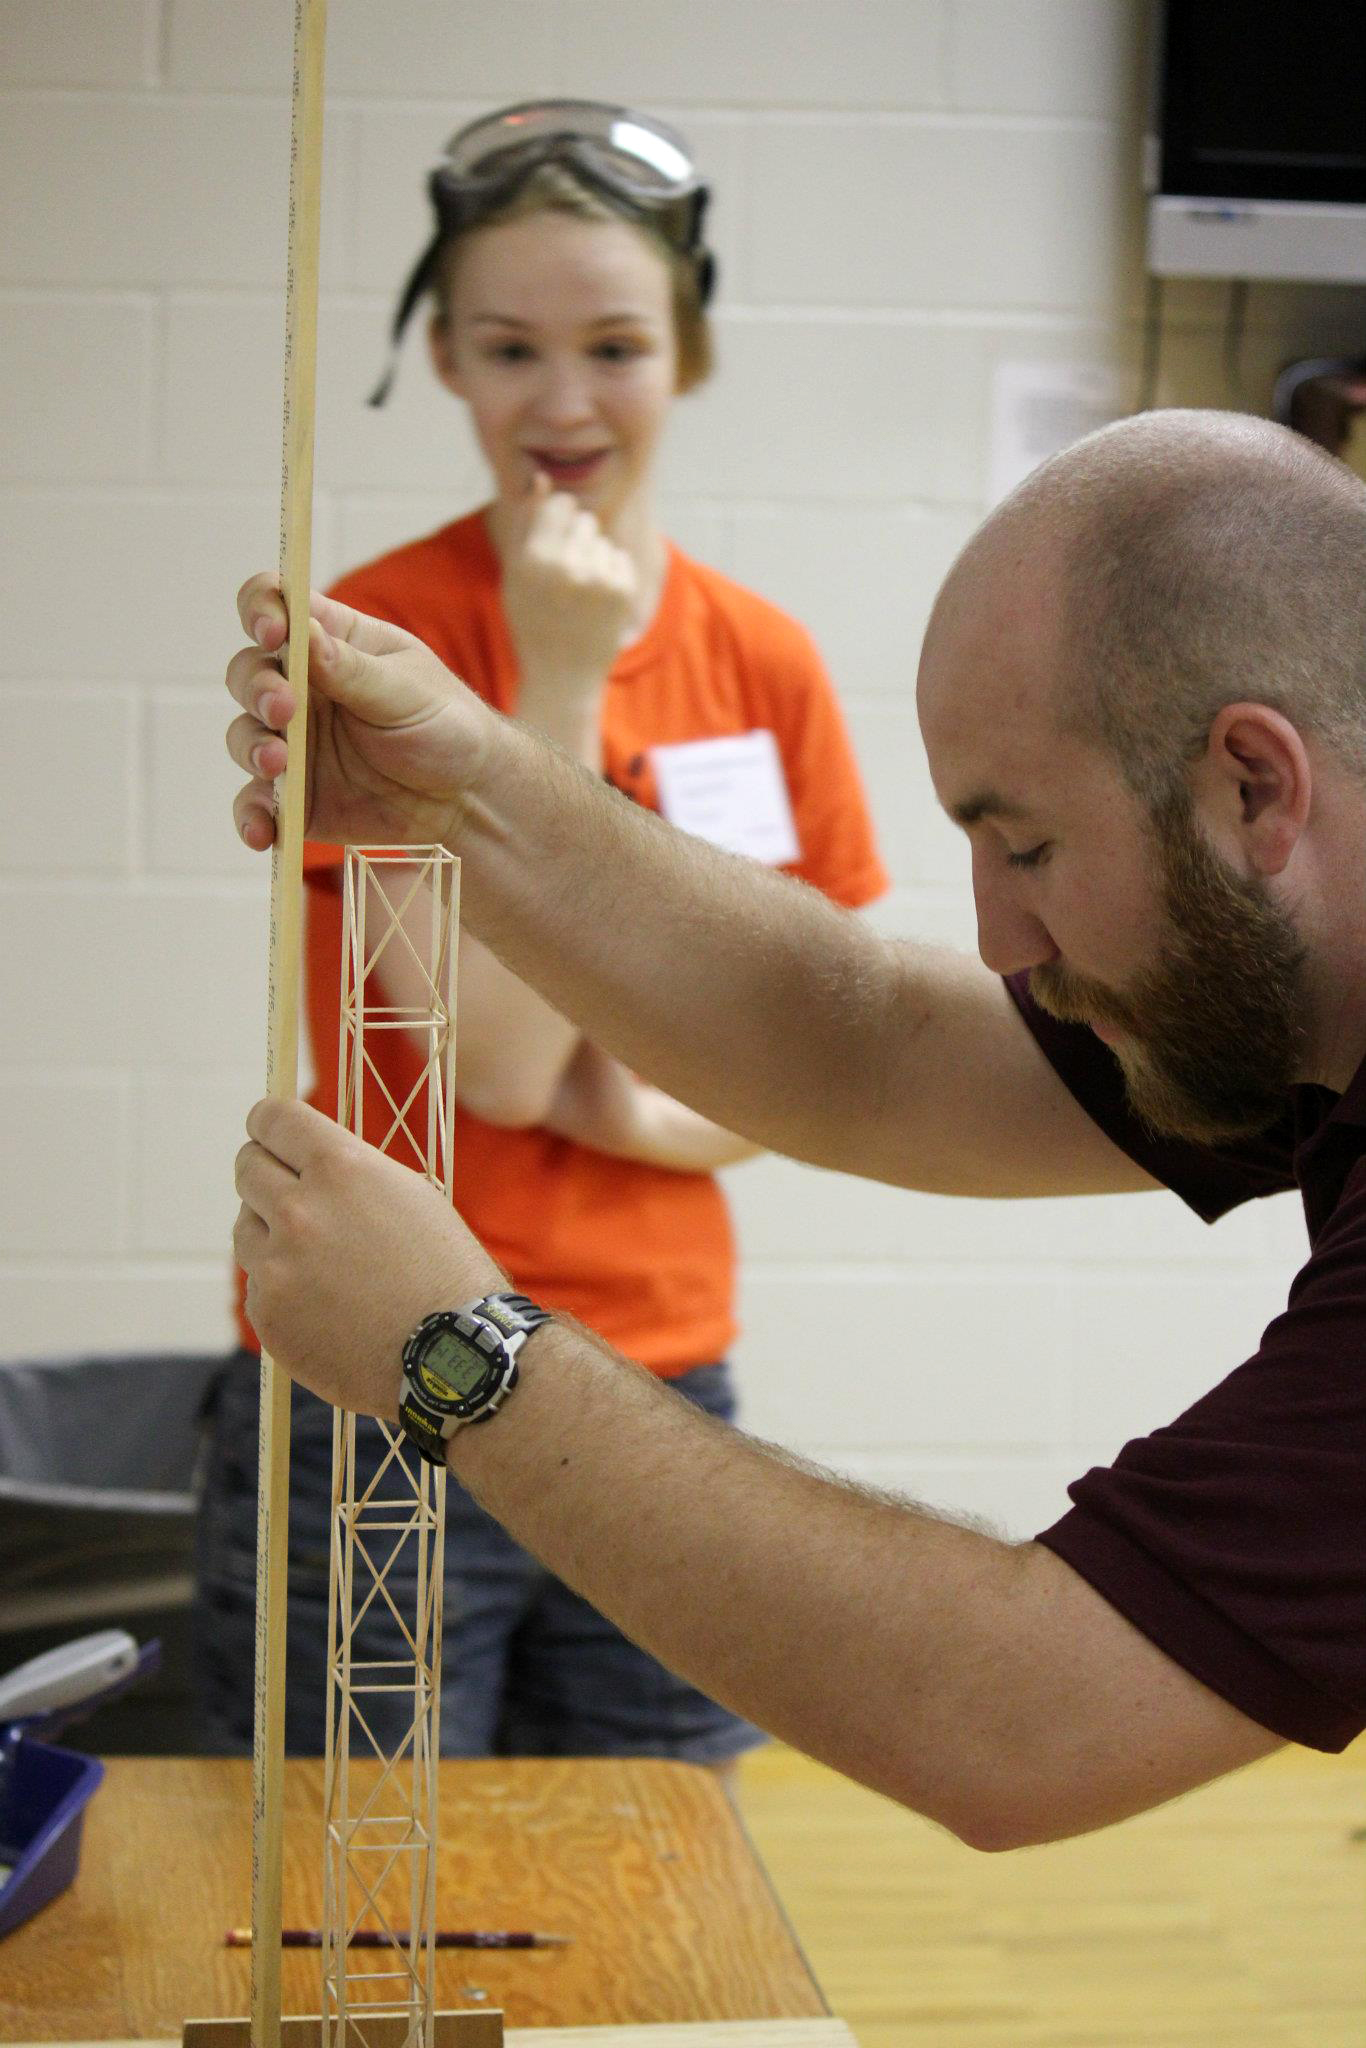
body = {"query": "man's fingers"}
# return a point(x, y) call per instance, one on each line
point(273, 1125)
point(249, 1237)
point(260, 1179)
point(256, 748)
point(265, 617)
point(353, 670)
point(345, 649)
point(294, 1134)
point(261, 609)
point(262, 752)
point(253, 813)
point(357, 629)
point(255, 681)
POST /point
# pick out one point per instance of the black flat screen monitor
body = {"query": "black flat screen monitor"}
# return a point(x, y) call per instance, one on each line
point(1263, 99)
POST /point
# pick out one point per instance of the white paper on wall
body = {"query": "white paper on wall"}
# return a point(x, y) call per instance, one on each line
point(1039, 408)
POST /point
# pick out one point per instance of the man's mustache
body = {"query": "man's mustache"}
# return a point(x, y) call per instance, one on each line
point(1072, 999)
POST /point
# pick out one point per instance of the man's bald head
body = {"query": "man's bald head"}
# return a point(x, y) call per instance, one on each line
point(1193, 559)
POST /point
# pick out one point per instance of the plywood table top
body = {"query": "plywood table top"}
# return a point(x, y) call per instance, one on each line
point(644, 1864)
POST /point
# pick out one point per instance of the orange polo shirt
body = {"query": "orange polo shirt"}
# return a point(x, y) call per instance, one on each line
point(641, 1254)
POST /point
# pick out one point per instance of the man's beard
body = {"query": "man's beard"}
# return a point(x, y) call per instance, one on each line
point(1214, 1034)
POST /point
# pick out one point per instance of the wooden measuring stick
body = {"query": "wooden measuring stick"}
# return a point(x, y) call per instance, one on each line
point(282, 1049)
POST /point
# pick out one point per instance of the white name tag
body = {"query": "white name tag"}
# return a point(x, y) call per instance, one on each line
point(731, 792)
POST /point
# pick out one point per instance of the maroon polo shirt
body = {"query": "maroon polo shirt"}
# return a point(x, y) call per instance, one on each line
point(1235, 1537)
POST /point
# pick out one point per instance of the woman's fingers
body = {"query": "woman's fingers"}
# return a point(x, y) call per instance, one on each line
point(528, 510)
point(551, 523)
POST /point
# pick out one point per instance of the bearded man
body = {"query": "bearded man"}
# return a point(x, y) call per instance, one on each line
point(1143, 698)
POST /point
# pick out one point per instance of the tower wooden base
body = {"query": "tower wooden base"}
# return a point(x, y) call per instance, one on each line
point(449, 2030)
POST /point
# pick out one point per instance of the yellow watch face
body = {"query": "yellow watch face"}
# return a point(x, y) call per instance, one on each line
point(449, 1366)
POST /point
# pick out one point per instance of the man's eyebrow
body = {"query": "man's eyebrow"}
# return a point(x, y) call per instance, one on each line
point(986, 803)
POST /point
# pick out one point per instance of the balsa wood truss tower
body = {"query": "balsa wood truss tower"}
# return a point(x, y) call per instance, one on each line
point(388, 1531)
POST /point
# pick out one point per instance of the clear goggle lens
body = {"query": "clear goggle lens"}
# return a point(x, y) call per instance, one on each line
point(646, 158)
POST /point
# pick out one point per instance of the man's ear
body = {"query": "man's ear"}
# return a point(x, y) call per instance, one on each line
point(1254, 785)
point(441, 349)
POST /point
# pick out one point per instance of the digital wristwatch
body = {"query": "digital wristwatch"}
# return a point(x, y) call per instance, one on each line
point(460, 1365)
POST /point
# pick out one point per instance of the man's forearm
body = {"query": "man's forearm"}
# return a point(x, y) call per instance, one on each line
point(714, 1551)
point(739, 991)
point(979, 1682)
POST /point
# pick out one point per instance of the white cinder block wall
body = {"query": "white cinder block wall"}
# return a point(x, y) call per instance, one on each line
point(910, 193)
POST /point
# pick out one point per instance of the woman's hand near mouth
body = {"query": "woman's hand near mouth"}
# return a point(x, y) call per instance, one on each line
point(569, 595)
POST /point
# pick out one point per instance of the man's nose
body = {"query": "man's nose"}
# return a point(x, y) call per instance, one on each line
point(1010, 937)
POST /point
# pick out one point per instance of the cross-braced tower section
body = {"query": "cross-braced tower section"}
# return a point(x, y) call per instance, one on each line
point(401, 913)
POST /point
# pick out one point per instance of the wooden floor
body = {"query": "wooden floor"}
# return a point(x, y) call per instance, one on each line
point(1234, 1918)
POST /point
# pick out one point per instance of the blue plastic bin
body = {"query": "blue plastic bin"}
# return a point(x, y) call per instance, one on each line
point(44, 1792)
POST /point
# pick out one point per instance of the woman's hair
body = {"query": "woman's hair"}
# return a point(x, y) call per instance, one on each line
point(553, 188)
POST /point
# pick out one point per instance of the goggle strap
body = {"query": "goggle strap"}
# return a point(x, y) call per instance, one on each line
point(418, 282)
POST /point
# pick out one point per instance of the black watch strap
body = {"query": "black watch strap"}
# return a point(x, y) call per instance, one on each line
point(423, 1429)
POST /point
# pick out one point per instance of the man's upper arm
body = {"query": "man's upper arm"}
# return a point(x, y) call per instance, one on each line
point(972, 1106)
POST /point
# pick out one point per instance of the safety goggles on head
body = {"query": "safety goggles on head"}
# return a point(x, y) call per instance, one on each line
point(640, 164)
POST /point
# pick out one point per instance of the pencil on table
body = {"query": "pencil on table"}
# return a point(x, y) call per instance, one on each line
point(445, 1937)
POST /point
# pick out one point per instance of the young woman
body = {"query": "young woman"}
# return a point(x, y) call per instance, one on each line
point(568, 279)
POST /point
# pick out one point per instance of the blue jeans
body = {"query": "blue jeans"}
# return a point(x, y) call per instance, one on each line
point(528, 1668)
